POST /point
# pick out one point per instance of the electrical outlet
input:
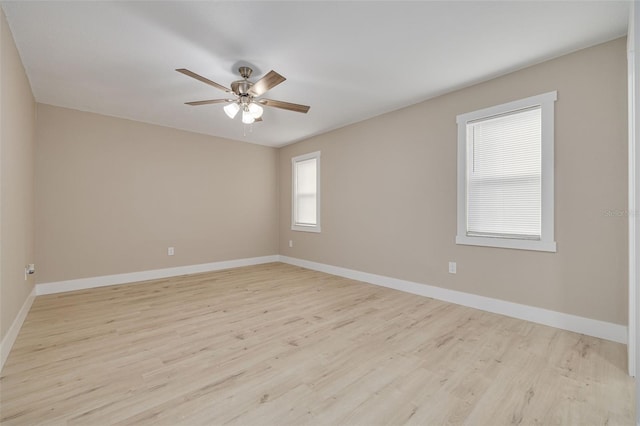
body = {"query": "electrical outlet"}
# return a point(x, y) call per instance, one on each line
point(170, 251)
point(29, 270)
point(290, 243)
point(452, 267)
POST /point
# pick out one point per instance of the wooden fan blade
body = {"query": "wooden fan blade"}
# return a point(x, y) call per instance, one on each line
point(202, 79)
point(285, 105)
point(269, 81)
point(211, 101)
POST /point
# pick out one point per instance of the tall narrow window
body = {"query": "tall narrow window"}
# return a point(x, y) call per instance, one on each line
point(306, 192)
point(505, 175)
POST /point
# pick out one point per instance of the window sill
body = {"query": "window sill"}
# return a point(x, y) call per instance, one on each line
point(315, 229)
point(548, 246)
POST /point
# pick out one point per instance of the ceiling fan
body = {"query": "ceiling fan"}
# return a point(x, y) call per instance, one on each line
point(246, 95)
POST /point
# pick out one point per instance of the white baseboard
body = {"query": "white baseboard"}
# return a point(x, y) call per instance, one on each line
point(132, 277)
point(587, 326)
point(10, 338)
point(601, 329)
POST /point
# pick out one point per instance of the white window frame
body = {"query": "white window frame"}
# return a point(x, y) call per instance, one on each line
point(546, 101)
point(298, 226)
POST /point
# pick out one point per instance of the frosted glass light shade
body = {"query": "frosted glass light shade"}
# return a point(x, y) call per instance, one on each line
point(247, 118)
point(255, 110)
point(232, 109)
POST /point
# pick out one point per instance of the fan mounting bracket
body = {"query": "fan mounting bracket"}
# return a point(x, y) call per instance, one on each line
point(245, 72)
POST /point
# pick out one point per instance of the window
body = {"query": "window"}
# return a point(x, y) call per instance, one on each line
point(306, 192)
point(505, 175)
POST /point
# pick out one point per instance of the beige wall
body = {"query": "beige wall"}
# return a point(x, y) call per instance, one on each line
point(17, 124)
point(389, 193)
point(113, 194)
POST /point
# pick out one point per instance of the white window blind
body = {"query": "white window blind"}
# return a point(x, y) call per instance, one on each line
point(306, 192)
point(504, 174)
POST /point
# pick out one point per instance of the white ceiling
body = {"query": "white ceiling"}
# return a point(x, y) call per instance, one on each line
point(349, 60)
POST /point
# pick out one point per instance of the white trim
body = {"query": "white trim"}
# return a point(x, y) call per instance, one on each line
point(511, 243)
point(633, 200)
point(547, 243)
point(633, 40)
point(12, 334)
point(590, 327)
point(132, 277)
point(306, 228)
point(296, 226)
point(508, 107)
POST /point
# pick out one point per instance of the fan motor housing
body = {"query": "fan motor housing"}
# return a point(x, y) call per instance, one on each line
point(241, 87)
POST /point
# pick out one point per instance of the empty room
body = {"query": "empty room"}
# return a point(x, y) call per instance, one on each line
point(319, 212)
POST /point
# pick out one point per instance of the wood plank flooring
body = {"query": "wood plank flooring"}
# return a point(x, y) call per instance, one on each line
point(280, 345)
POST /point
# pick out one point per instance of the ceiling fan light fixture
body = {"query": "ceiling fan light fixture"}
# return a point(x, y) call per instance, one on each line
point(232, 109)
point(247, 118)
point(255, 110)
point(246, 95)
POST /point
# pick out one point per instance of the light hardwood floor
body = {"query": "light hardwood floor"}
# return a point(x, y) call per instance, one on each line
point(276, 344)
